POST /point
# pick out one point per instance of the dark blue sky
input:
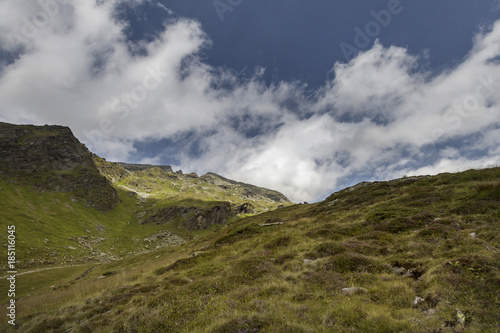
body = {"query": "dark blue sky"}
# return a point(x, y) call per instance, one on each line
point(300, 40)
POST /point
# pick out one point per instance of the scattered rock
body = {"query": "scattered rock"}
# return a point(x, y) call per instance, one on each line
point(100, 228)
point(197, 253)
point(354, 291)
point(308, 261)
point(473, 235)
point(398, 270)
point(418, 300)
point(270, 224)
point(413, 273)
point(460, 317)
point(164, 238)
point(431, 311)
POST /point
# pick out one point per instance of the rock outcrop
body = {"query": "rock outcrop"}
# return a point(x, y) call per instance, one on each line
point(246, 208)
point(193, 218)
point(50, 158)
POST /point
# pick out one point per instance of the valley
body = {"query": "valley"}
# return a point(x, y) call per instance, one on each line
point(171, 252)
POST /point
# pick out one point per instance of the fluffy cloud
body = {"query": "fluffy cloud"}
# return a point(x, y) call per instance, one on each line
point(381, 117)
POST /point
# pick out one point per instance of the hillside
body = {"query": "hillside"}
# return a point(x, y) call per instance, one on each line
point(72, 207)
point(50, 158)
point(160, 182)
point(417, 254)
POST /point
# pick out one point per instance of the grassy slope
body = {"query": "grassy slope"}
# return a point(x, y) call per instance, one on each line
point(255, 279)
point(174, 188)
point(48, 225)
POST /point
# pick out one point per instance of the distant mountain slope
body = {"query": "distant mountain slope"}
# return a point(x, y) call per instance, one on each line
point(140, 167)
point(249, 191)
point(160, 182)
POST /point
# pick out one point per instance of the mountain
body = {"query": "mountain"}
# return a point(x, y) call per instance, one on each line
point(72, 207)
point(160, 182)
point(50, 158)
point(416, 254)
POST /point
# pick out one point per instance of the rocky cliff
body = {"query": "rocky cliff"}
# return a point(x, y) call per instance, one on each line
point(50, 158)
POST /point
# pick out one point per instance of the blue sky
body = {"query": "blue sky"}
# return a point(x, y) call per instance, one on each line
point(305, 97)
point(300, 40)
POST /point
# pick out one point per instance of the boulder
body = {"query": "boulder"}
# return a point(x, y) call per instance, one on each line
point(354, 291)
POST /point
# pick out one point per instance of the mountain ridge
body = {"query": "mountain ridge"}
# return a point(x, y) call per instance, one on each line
point(50, 181)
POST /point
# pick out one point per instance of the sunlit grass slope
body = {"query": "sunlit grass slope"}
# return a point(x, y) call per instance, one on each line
point(423, 253)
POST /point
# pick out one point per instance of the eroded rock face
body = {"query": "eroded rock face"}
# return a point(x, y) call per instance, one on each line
point(203, 220)
point(50, 158)
point(194, 218)
point(246, 208)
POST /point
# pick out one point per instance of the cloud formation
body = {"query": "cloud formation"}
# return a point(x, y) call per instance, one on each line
point(381, 116)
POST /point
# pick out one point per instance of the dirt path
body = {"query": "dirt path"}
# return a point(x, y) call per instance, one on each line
point(42, 269)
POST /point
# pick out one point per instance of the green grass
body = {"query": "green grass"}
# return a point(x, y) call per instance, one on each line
point(49, 226)
point(397, 240)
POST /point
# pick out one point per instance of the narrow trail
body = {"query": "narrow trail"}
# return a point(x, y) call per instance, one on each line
point(41, 270)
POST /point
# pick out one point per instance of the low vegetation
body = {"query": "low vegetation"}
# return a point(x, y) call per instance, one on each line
point(419, 254)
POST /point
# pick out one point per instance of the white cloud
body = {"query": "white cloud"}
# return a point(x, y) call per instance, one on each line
point(372, 84)
point(380, 116)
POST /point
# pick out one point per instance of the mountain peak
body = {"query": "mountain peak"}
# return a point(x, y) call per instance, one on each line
point(50, 158)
